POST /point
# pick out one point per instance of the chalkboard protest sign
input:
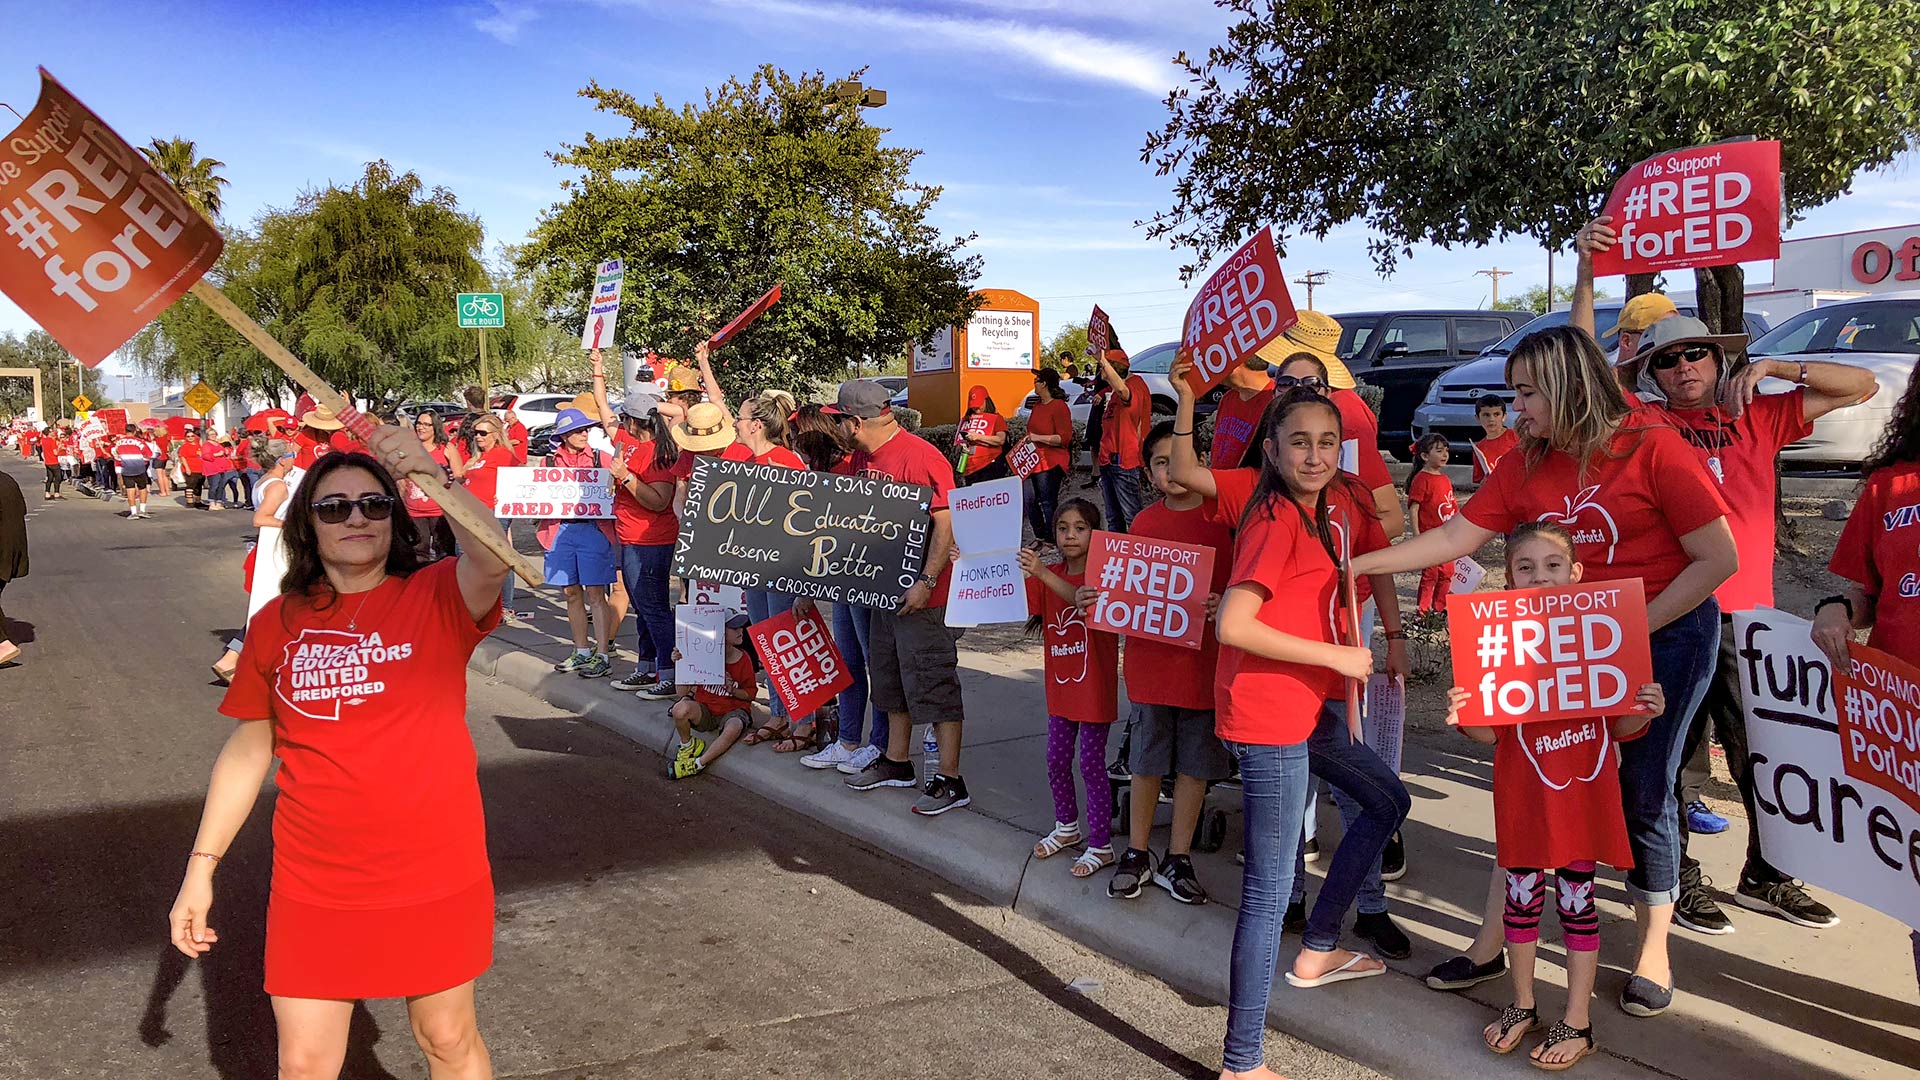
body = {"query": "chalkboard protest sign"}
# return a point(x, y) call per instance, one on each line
point(845, 539)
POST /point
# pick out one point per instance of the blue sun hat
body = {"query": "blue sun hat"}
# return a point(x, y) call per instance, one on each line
point(569, 421)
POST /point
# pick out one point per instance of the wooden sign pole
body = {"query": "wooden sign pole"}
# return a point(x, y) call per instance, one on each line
point(485, 529)
point(1351, 595)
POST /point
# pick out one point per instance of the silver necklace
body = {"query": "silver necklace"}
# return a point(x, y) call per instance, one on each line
point(354, 622)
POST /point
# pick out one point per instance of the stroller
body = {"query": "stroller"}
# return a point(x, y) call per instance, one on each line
point(1209, 833)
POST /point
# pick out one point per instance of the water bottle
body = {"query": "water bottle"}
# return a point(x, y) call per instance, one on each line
point(929, 757)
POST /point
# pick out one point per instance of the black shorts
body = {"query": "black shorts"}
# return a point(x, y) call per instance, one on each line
point(137, 481)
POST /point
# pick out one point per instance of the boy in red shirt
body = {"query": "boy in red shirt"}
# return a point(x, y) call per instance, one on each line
point(726, 708)
point(1500, 439)
point(1123, 423)
point(1430, 503)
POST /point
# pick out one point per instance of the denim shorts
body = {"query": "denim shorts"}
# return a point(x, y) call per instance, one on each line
point(581, 555)
point(1164, 739)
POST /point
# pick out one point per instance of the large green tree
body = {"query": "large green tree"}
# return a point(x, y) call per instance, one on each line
point(1456, 122)
point(60, 377)
point(770, 179)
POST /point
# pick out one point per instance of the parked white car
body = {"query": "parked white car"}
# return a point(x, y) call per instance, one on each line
point(534, 410)
point(1880, 333)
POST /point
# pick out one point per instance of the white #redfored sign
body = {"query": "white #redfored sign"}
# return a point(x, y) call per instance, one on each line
point(1242, 306)
point(554, 492)
point(1149, 588)
point(94, 243)
point(1550, 654)
point(1706, 206)
point(603, 306)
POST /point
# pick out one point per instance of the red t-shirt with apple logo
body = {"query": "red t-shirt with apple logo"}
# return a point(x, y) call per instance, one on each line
point(1082, 665)
point(1556, 796)
point(1628, 511)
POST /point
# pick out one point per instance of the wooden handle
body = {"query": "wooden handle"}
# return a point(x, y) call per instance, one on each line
point(486, 530)
point(1352, 597)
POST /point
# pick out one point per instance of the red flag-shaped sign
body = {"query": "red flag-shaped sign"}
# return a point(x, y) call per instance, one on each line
point(93, 241)
point(1706, 206)
point(1242, 306)
point(745, 318)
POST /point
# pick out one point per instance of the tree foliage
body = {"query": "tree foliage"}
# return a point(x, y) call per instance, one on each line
point(1534, 298)
point(1070, 340)
point(58, 385)
point(196, 178)
point(1460, 122)
point(771, 179)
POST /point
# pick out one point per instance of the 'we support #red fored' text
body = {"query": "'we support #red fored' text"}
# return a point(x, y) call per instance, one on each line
point(1547, 654)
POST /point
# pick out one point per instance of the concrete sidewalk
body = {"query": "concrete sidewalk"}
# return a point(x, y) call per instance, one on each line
point(1769, 1000)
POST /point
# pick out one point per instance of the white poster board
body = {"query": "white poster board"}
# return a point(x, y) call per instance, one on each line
point(986, 517)
point(1387, 717)
point(603, 305)
point(1467, 575)
point(540, 491)
point(987, 585)
point(938, 357)
point(1001, 340)
point(727, 596)
point(700, 633)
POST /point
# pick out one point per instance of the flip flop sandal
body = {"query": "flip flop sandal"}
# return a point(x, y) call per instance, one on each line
point(1513, 1018)
point(1557, 1034)
point(763, 734)
point(795, 742)
point(1092, 861)
point(1060, 839)
point(1344, 973)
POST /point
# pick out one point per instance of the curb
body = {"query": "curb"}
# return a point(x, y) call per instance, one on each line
point(1392, 1024)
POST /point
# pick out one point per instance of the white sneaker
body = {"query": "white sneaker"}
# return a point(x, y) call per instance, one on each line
point(861, 758)
point(834, 755)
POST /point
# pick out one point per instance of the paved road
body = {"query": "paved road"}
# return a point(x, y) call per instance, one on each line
point(646, 929)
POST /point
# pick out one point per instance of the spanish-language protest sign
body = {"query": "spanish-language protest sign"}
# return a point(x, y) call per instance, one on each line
point(552, 491)
point(986, 586)
point(1387, 716)
point(1025, 458)
point(1098, 328)
point(1149, 588)
point(603, 306)
point(1879, 707)
point(1467, 575)
point(842, 539)
point(1705, 206)
point(803, 666)
point(1243, 306)
point(1856, 833)
point(1550, 654)
point(700, 633)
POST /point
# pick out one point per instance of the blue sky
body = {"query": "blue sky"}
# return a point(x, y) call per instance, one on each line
point(1031, 113)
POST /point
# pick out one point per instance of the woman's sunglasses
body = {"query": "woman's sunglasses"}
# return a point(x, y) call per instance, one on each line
point(1305, 382)
point(372, 507)
point(1670, 359)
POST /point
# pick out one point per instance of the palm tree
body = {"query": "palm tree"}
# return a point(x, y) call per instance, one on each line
point(191, 175)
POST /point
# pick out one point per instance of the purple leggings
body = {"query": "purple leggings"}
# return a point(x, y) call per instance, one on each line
point(1061, 735)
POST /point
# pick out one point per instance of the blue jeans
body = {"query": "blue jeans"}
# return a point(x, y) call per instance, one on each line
point(851, 626)
point(1273, 784)
point(645, 568)
point(1043, 495)
point(1684, 652)
point(761, 606)
point(217, 484)
point(506, 589)
point(1373, 802)
point(1120, 488)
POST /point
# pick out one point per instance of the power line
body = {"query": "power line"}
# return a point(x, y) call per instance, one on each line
point(1310, 279)
point(1496, 274)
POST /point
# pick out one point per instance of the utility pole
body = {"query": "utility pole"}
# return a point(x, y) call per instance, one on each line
point(1310, 279)
point(1550, 279)
point(1496, 274)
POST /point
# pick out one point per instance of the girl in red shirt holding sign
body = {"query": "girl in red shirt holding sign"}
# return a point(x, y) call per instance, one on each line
point(1556, 807)
point(355, 678)
point(1083, 694)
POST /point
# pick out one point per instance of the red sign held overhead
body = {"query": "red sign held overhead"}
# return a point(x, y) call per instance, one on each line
point(93, 241)
point(1877, 699)
point(803, 666)
point(1099, 332)
point(1706, 206)
point(1550, 654)
point(1149, 588)
point(745, 318)
point(1243, 306)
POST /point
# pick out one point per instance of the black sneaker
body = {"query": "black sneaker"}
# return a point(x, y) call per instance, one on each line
point(1643, 997)
point(659, 690)
point(1176, 876)
point(1460, 972)
point(884, 772)
point(1296, 920)
point(944, 793)
point(1696, 909)
point(1130, 873)
point(637, 681)
point(1393, 859)
point(1312, 849)
point(1787, 900)
point(1389, 939)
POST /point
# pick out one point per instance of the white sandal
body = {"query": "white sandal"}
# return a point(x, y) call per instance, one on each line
point(1092, 861)
point(1065, 834)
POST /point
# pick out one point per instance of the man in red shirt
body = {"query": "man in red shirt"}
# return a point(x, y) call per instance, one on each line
point(913, 662)
point(1740, 434)
point(1491, 411)
point(1123, 425)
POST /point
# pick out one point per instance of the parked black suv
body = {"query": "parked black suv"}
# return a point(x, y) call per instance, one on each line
point(1402, 352)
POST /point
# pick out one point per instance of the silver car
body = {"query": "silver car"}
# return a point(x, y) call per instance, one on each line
point(1880, 333)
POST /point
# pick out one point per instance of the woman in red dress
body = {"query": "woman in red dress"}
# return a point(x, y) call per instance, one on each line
point(355, 678)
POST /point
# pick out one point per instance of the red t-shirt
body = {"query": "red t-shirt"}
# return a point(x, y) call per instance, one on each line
point(981, 425)
point(1082, 665)
point(379, 792)
point(632, 522)
point(1270, 702)
point(517, 435)
point(741, 672)
point(50, 451)
point(1879, 549)
point(162, 440)
point(419, 504)
point(310, 450)
point(1488, 452)
point(1053, 418)
point(1124, 424)
point(483, 475)
point(1432, 497)
point(190, 455)
point(909, 459)
point(1627, 514)
point(1360, 441)
point(778, 455)
point(1234, 425)
point(1743, 455)
point(215, 458)
point(1160, 672)
point(1350, 512)
point(1556, 796)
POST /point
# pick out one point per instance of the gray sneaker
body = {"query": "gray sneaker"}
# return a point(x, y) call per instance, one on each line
point(659, 690)
point(574, 662)
point(598, 667)
point(943, 793)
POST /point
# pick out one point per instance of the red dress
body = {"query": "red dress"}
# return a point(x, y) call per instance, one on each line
point(381, 885)
point(1556, 796)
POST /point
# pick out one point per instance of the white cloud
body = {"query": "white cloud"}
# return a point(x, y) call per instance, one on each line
point(507, 20)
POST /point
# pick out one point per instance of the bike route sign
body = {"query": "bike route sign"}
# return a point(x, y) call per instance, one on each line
point(481, 310)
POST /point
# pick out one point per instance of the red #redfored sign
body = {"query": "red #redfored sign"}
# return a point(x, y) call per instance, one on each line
point(1099, 330)
point(1550, 654)
point(1025, 459)
point(1149, 588)
point(1878, 702)
point(1242, 306)
point(745, 318)
point(93, 241)
point(803, 666)
point(1705, 206)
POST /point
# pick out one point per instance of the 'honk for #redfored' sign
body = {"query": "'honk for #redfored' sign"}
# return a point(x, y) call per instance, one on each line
point(1550, 654)
point(1243, 306)
point(554, 492)
point(1149, 588)
point(1707, 206)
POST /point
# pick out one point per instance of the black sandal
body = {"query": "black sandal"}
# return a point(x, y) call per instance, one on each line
point(1511, 1018)
point(1557, 1034)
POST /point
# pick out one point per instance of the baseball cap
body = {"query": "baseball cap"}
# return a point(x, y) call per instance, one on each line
point(739, 620)
point(640, 403)
point(863, 398)
point(977, 397)
point(1644, 310)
